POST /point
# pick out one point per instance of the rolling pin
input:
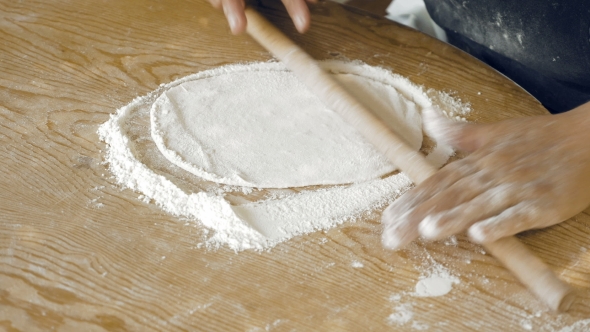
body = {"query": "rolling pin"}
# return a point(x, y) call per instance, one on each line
point(514, 255)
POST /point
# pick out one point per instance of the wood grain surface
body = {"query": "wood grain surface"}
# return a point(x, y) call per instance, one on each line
point(78, 253)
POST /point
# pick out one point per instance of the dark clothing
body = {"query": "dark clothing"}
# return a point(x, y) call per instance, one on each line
point(542, 45)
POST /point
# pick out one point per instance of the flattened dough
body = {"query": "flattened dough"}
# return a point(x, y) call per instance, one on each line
point(255, 125)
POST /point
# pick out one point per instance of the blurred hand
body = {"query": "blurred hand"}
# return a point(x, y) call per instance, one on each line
point(234, 13)
point(521, 174)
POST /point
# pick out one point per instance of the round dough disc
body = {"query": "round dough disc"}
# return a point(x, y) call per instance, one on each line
point(256, 125)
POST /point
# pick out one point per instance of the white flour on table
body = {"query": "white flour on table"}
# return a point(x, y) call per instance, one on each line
point(264, 223)
point(436, 280)
point(433, 286)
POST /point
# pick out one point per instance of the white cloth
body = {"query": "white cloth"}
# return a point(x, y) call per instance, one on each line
point(413, 13)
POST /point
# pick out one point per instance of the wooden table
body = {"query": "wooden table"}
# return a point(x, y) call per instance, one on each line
point(77, 253)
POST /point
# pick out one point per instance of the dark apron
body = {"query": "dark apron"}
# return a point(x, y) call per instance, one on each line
point(543, 45)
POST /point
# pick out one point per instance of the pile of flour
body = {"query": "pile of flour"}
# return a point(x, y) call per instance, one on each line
point(438, 281)
point(253, 137)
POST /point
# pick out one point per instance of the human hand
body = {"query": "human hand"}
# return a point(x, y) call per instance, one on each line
point(521, 174)
point(234, 13)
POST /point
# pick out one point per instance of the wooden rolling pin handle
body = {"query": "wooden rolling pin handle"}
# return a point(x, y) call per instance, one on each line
point(529, 269)
point(532, 272)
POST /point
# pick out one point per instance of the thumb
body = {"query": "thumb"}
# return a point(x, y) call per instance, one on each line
point(466, 137)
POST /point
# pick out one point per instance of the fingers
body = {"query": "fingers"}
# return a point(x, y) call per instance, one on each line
point(215, 3)
point(234, 13)
point(439, 182)
point(299, 13)
point(504, 187)
point(401, 219)
point(399, 233)
point(463, 190)
point(459, 218)
point(518, 218)
point(463, 136)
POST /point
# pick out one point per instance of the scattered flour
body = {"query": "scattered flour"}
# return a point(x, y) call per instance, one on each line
point(418, 326)
point(436, 280)
point(264, 223)
point(451, 241)
point(434, 286)
point(579, 326)
point(526, 324)
point(357, 264)
point(403, 314)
